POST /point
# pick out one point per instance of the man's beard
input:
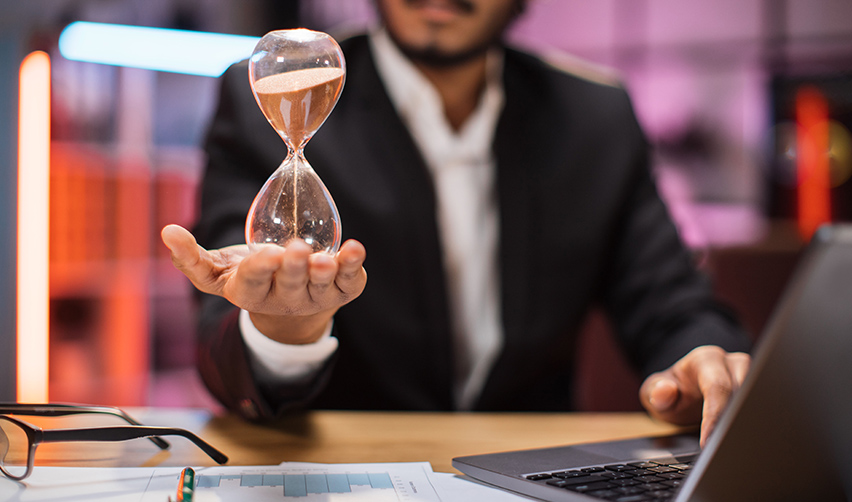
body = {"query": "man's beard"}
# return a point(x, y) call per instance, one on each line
point(436, 58)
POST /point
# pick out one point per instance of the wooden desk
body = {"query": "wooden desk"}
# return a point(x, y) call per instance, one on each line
point(350, 437)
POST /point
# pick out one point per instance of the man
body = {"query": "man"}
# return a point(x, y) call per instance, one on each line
point(500, 198)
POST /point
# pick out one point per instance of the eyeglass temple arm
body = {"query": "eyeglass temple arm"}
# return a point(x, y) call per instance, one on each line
point(60, 410)
point(127, 433)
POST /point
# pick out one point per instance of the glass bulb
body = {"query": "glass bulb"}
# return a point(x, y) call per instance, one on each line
point(294, 204)
point(296, 77)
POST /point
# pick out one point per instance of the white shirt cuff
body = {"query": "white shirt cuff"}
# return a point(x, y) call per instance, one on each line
point(275, 362)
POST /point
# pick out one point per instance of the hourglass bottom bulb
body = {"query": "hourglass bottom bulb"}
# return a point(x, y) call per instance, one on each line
point(294, 204)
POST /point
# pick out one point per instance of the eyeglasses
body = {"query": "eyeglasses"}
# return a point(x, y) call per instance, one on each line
point(19, 439)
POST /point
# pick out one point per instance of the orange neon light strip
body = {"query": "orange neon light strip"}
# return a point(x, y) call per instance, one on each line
point(33, 221)
point(812, 166)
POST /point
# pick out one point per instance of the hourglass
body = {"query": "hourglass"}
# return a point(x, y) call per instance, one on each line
point(296, 77)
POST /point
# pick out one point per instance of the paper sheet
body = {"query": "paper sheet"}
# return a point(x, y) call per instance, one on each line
point(290, 481)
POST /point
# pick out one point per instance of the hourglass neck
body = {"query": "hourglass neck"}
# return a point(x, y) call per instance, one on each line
point(296, 153)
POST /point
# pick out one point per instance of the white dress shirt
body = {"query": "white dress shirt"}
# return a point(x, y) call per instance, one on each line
point(462, 165)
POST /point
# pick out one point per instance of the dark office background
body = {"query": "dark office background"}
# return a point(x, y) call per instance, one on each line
point(713, 81)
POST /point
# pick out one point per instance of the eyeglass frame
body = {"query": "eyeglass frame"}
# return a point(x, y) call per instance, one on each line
point(36, 436)
point(65, 409)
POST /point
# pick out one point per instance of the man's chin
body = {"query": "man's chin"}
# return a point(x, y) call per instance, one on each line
point(437, 58)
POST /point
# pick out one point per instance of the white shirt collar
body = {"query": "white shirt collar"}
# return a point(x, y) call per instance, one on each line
point(418, 103)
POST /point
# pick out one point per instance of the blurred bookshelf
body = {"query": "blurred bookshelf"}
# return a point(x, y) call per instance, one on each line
point(118, 307)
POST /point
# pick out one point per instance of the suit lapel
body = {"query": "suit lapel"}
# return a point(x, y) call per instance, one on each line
point(516, 160)
point(519, 157)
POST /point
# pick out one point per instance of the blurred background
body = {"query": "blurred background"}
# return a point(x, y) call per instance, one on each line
point(724, 89)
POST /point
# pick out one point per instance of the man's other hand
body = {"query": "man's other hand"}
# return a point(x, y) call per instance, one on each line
point(696, 388)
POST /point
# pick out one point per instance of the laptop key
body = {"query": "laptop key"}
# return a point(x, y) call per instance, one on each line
point(642, 472)
point(652, 487)
point(630, 490)
point(564, 483)
point(619, 467)
point(590, 487)
point(649, 479)
point(569, 474)
point(604, 494)
point(618, 475)
point(662, 468)
point(624, 482)
point(681, 467)
point(661, 495)
point(643, 465)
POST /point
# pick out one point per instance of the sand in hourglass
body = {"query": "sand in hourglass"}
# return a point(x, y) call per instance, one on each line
point(297, 102)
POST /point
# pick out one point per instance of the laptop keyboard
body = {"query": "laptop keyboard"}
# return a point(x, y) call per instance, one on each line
point(644, 481)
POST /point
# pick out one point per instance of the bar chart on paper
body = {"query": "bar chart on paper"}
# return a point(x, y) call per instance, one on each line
point(378, 485)
point(306, 483)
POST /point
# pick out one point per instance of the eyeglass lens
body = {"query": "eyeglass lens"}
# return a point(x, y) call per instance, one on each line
point(14, 449)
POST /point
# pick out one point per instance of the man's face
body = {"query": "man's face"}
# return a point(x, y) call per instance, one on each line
point(446, 32)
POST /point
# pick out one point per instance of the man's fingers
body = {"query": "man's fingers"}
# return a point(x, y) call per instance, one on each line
point(663, 394)
point(738, 364)
point(292, 277)
point(259, 268)
point(194, 261)
point(351, 277)
point(718, 375)
point(668, 398)
point(253, 279)
point(717, 385)
point(344, 272)
point(721, 383)
point(181, 244)
point(322, 268)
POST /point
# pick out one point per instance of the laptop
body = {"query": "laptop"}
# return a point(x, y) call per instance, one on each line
point(785, 435)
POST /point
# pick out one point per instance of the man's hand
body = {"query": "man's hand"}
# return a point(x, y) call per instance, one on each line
point(290, 293)
point(695, 388)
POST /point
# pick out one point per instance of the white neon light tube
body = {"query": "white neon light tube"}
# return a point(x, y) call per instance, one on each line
point(33, 228)
point(160, 49)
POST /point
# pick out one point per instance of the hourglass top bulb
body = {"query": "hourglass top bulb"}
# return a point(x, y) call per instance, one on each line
point(297, 76)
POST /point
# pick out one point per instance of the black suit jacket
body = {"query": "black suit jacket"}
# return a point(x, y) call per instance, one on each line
point(581, 224)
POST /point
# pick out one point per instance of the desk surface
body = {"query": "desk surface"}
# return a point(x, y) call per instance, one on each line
point(350, 437)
